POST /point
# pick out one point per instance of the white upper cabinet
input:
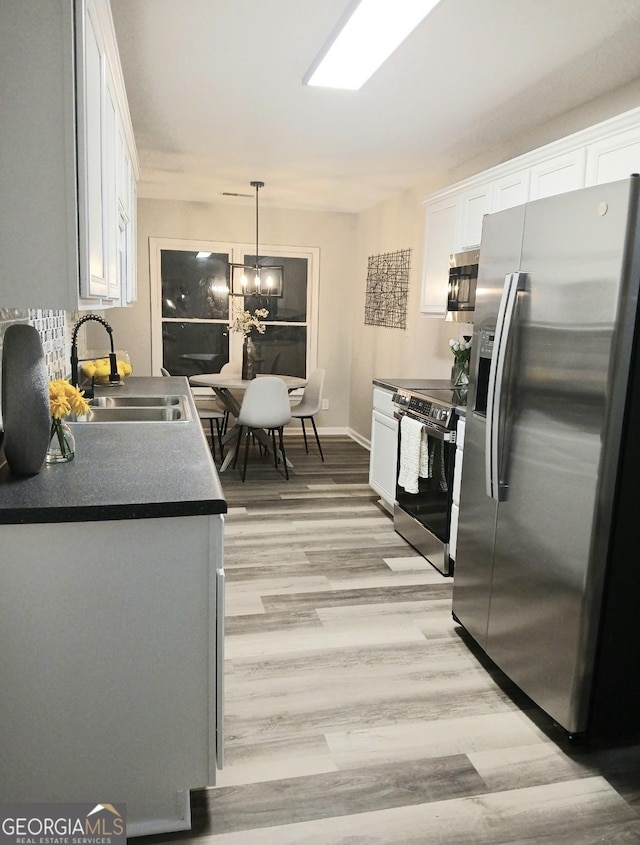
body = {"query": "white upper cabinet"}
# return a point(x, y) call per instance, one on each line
point(93, 228)
point(440, 232)
point(474, 204)
point(614, 158)
point(109, 178)
point(602, 153)
point(557, 175)
point(511, 190)
point(64, 113)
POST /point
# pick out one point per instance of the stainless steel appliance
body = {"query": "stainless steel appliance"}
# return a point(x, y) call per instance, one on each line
point(547, 575)
point(422, 515)
point(461, 294)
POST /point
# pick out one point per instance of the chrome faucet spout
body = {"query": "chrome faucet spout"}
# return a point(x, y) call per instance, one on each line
point(113, 374)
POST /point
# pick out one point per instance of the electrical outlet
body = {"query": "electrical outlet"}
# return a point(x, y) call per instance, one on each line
point(325, 404)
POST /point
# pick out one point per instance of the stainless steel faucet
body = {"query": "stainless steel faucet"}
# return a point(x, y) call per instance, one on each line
point(114, 376)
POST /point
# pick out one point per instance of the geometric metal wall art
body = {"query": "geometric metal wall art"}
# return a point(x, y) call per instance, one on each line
point(387, 289)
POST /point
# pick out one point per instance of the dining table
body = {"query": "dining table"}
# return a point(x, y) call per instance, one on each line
point(226, 388)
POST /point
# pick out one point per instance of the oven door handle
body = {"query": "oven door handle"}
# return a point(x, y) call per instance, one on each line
point(432, 430)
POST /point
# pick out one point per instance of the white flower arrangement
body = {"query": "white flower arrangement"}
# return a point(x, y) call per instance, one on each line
point(245, 321)
point(461, 349)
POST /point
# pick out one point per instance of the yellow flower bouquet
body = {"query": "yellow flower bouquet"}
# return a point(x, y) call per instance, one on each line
point(64, 399)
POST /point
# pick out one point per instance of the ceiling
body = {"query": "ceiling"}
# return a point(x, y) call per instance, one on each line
point(216, 97)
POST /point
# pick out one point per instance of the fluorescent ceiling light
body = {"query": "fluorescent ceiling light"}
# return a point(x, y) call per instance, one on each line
point(367, 39)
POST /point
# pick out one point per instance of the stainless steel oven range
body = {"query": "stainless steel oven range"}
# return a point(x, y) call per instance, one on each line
point(424, 483)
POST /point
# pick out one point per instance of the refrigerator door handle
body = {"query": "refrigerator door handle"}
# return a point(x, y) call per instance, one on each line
point(513, 283)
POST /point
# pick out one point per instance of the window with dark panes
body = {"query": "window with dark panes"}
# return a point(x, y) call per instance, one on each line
point(196, 313)
point(283, 347)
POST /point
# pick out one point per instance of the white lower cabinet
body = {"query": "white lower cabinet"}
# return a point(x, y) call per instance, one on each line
point(384, 447)
point(112, 664)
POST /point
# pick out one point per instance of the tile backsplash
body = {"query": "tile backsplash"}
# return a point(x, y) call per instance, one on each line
point(55, 329)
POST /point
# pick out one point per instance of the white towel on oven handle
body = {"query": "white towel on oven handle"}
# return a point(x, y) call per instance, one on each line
point(410, 453)
point(425, 469)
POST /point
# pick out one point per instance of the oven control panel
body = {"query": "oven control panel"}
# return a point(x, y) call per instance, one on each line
point(424, 407)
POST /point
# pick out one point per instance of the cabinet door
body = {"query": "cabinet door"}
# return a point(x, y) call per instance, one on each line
point(473, 205)
point(123, 170)
point(109, 173)
point(126, 197)
point(98, 162)
point(558, 174)
point(384, 456)
point(440, 240)
point(614, 158)
point(131, 287)
point(93, 231)
point(511, 190)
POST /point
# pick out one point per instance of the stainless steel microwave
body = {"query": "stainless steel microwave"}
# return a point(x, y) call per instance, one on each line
point(463, 275)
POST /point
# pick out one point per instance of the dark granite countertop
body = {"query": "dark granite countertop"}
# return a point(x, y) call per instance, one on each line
point(122, 470)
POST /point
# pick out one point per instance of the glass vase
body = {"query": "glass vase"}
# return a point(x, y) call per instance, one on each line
point(248, 359)
point(460, 373)
point(62, 443)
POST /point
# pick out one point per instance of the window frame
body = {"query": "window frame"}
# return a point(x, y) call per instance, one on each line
point(236, 253)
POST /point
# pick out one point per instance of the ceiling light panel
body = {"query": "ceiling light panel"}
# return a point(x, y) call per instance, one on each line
point(371, 34)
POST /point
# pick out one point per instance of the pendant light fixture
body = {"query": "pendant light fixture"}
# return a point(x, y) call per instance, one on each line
point(258, 280)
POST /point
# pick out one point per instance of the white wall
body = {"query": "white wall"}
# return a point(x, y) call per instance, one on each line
point(333, 233)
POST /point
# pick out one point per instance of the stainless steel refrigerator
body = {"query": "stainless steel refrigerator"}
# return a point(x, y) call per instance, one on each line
point(547, 571)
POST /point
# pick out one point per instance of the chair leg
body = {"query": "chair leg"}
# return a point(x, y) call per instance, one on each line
point(284, 457)
point(246, 453)
point(213, 439)
point(315, 431)
point(220, 435)
point(235, 457)
point(273, 446)
point(304, 434)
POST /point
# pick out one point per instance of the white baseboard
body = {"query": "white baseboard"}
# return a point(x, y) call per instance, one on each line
point(359, 439)
point(328, 431)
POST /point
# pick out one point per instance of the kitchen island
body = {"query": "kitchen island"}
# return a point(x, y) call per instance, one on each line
point(111, 614)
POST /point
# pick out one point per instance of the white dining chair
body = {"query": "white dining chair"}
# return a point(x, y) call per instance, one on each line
point(265, 406)
point(209, 410)
point(309, 405)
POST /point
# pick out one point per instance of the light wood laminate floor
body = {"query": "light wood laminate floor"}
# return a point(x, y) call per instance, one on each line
point(356, 711)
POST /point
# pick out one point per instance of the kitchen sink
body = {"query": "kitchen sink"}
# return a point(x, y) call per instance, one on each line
point(135, 409)
point(135, 401)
